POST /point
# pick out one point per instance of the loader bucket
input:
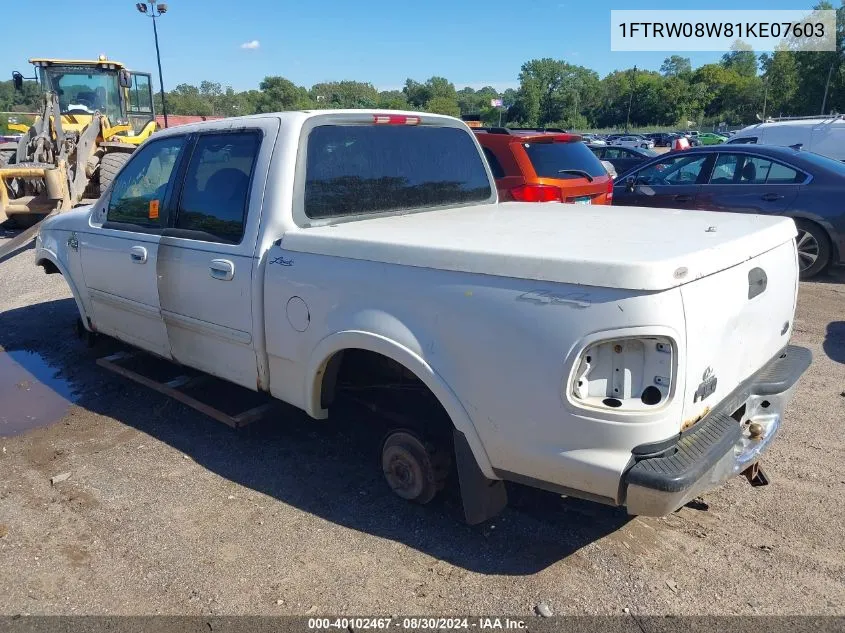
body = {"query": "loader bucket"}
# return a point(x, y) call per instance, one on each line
point(54, 197)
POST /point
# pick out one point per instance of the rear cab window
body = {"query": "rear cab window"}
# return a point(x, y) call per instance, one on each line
point(360, 169)
point(563, 160)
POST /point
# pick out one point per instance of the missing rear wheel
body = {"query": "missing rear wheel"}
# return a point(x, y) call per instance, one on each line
point(414, 470)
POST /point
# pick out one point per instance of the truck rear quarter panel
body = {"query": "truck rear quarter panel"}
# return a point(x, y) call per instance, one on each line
point(505, 347)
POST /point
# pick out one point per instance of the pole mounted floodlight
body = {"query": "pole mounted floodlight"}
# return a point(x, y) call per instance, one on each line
point(156, 11)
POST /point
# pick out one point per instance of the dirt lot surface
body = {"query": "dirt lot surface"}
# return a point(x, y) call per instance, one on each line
point(167, 511)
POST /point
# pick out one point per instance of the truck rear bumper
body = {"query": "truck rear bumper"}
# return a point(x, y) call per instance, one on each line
point(666, 475)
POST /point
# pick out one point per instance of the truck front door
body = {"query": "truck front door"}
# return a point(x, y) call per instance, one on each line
point(120, 253)
point(206, 256)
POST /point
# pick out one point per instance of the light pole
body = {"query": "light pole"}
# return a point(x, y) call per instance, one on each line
point(827, 85)
point(156, 11)
point(631, 98)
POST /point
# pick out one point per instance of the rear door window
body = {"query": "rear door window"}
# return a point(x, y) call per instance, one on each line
point(724, 171)
point(360, 169)
point(215, 193)
point(754, 170)
point(782, 175)
point(563, 160)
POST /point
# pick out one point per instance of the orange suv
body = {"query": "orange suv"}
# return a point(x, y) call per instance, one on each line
point(535, 165)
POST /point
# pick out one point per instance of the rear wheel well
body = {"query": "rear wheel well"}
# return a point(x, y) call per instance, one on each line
point(386, 387)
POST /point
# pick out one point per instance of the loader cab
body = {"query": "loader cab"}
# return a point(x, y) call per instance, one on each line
point(105, 86)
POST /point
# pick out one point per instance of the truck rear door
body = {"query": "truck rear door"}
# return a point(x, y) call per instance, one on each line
point(745, 183)
point(206, 256)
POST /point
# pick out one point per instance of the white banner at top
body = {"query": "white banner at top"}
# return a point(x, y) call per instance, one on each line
point(687, 30)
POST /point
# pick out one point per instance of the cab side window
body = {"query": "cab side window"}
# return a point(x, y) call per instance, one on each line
point(214, 197)
point(138, 192)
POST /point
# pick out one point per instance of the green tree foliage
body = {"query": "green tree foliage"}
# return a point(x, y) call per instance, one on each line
point(780, 80)
point(676, 66)
point(25, 100)
point(278, 94)
point(443, 105)
point(187, 99)
point(741, 59)
point(436, 95)
point(344, 94)
point(393, 100)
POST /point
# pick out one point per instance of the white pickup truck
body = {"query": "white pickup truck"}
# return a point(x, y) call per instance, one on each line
point(634, 357)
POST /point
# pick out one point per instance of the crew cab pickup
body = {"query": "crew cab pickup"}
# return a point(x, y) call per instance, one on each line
point(635, 357)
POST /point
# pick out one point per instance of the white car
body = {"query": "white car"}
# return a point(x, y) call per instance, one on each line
point(592, 139)
point(352, 254)
point(821, 135)
point(633, 141)
point(611, 169)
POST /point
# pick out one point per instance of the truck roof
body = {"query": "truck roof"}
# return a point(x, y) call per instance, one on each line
point(797, 122)
point(300, 116)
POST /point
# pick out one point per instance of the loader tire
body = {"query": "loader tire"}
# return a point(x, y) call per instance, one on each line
point(110, 164)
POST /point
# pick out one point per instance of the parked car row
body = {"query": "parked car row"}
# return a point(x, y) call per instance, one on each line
point(655, 139)
point(745, 178)
point(537, 165)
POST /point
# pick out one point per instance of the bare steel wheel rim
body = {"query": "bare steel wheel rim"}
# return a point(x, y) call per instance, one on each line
point(808, 249)
point(403, 472)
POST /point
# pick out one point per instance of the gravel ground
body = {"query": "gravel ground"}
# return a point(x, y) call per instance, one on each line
point(166, 511)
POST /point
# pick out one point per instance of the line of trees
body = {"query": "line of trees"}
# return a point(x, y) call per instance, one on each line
point(556, 93)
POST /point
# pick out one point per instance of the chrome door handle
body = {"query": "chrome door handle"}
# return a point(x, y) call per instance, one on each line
point(222, 269)
point(138, 254)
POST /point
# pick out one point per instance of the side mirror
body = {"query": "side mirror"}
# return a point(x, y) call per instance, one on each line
point(17, 79)
point(124, 78)
point(630, 184)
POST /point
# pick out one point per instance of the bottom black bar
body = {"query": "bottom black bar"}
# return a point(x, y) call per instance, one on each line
point(629, 623)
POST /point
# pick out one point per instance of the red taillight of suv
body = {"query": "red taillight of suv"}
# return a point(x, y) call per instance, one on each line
point(537, 193)
point(609, 190)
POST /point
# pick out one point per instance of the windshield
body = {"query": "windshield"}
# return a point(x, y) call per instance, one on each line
point(84, 90)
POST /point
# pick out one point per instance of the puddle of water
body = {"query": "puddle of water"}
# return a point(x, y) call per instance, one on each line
point(30, 393)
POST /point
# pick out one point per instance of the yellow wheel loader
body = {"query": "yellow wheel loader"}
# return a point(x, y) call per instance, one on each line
point(93, 115)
